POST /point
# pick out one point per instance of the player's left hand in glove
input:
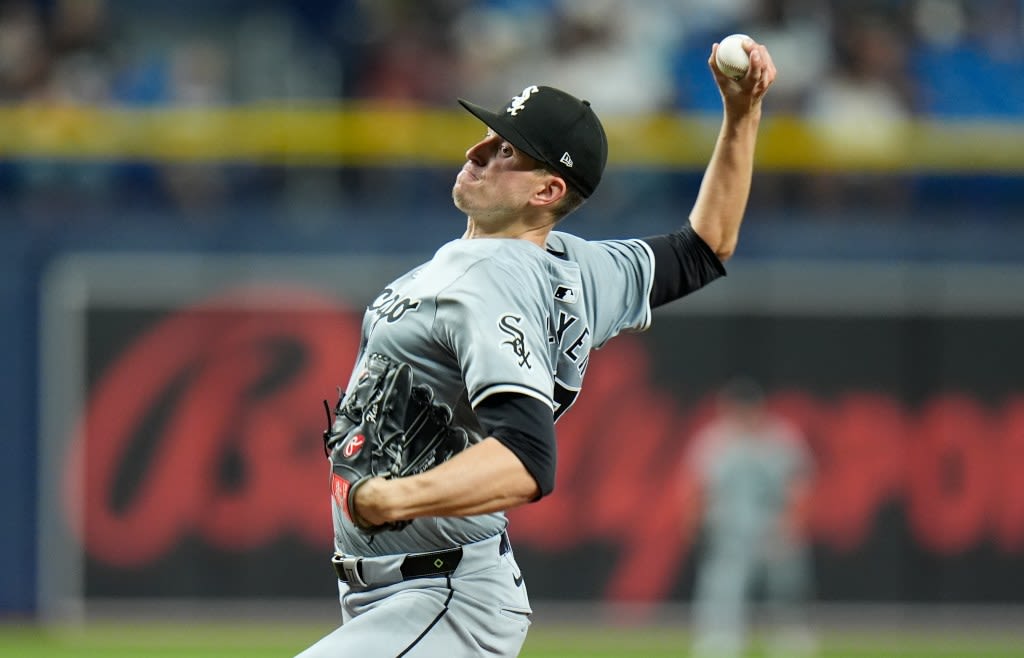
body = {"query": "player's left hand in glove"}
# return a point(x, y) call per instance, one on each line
point(430, 438)
point(365, 439)
point(387, 428)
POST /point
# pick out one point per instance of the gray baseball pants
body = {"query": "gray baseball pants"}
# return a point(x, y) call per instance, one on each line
point(480, 609)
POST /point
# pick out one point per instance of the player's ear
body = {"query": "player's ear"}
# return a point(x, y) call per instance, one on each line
point(550, 190)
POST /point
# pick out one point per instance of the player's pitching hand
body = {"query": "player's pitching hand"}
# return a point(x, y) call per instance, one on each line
point(743, 95)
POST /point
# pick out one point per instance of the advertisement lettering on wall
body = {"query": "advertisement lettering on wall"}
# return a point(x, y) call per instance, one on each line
point(196, 467)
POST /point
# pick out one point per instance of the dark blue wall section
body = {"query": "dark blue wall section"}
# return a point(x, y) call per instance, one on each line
point(26, 249)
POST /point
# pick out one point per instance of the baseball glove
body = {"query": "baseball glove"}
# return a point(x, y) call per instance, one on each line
point(386, 428)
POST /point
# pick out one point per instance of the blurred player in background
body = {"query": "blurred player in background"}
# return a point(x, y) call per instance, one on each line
point(753, 472)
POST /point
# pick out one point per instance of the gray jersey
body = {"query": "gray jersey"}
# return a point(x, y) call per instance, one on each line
point(489, 316)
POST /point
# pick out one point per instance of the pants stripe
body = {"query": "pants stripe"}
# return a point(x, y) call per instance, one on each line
point(444, 610)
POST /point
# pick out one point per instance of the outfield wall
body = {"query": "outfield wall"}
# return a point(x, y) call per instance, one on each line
point(186, 462)
point(921, 300)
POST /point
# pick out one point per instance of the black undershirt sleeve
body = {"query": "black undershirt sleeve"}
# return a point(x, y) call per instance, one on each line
point(525, 426)
point(683, 263)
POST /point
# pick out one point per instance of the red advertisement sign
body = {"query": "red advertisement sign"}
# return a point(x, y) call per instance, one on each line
point(200, 451)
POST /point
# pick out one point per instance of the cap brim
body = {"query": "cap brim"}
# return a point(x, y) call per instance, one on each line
point(504, 126)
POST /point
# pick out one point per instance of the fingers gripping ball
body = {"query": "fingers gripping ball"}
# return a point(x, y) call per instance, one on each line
point(731, 58)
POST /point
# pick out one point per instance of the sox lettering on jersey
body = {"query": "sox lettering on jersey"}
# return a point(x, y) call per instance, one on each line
point(509, 325)
point(391, 306)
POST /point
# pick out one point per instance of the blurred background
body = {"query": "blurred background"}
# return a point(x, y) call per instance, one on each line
point(197, 197)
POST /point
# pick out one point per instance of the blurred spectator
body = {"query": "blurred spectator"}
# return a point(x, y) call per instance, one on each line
point(430, 51)
point(752, 471)
point(276, 56)
point(411, 56)
point(860, 109)
point(606, 51)
point(797, 31)
point(857, 69)
point(24, 53)
point(199, 76)
point(615, 56)
point(79, 25)
point(501, 45)
point(57, 59)
point(969, 57)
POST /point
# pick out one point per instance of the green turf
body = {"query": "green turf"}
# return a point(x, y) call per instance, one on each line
point(223, 640)
point(659, 643)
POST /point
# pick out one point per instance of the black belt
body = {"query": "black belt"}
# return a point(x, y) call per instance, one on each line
point(415, 565)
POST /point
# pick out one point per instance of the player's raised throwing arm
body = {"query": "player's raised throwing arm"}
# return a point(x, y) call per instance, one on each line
point(722, 199)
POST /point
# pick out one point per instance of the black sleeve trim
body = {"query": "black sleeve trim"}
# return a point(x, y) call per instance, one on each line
point(683, 263)
point(526, 426)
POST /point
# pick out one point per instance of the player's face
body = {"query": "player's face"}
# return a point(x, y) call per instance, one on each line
point(497, 182)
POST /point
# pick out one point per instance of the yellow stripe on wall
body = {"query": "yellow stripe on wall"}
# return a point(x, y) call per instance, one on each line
point(381, 136)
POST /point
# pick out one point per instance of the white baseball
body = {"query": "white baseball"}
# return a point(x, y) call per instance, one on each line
point(731, 59)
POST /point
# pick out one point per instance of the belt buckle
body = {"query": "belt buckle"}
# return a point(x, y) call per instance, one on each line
point(350, 567)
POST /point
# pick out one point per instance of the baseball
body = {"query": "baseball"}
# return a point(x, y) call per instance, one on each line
point(731, 59)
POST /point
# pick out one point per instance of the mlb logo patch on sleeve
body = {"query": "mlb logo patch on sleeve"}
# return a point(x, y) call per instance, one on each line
point(566, 294)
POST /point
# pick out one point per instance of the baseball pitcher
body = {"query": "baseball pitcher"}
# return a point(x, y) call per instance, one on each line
point(467, 362)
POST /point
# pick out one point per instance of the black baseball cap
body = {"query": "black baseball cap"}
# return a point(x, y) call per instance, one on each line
point(555, 128)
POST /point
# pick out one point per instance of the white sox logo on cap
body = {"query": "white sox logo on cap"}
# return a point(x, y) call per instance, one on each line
point(554, 128)
point(518, 102)
point(516, 106)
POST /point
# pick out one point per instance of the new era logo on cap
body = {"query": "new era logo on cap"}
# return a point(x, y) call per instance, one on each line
point(555, 128)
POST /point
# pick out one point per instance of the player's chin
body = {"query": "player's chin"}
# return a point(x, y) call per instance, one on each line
point(461, 195)
point(459, 198)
